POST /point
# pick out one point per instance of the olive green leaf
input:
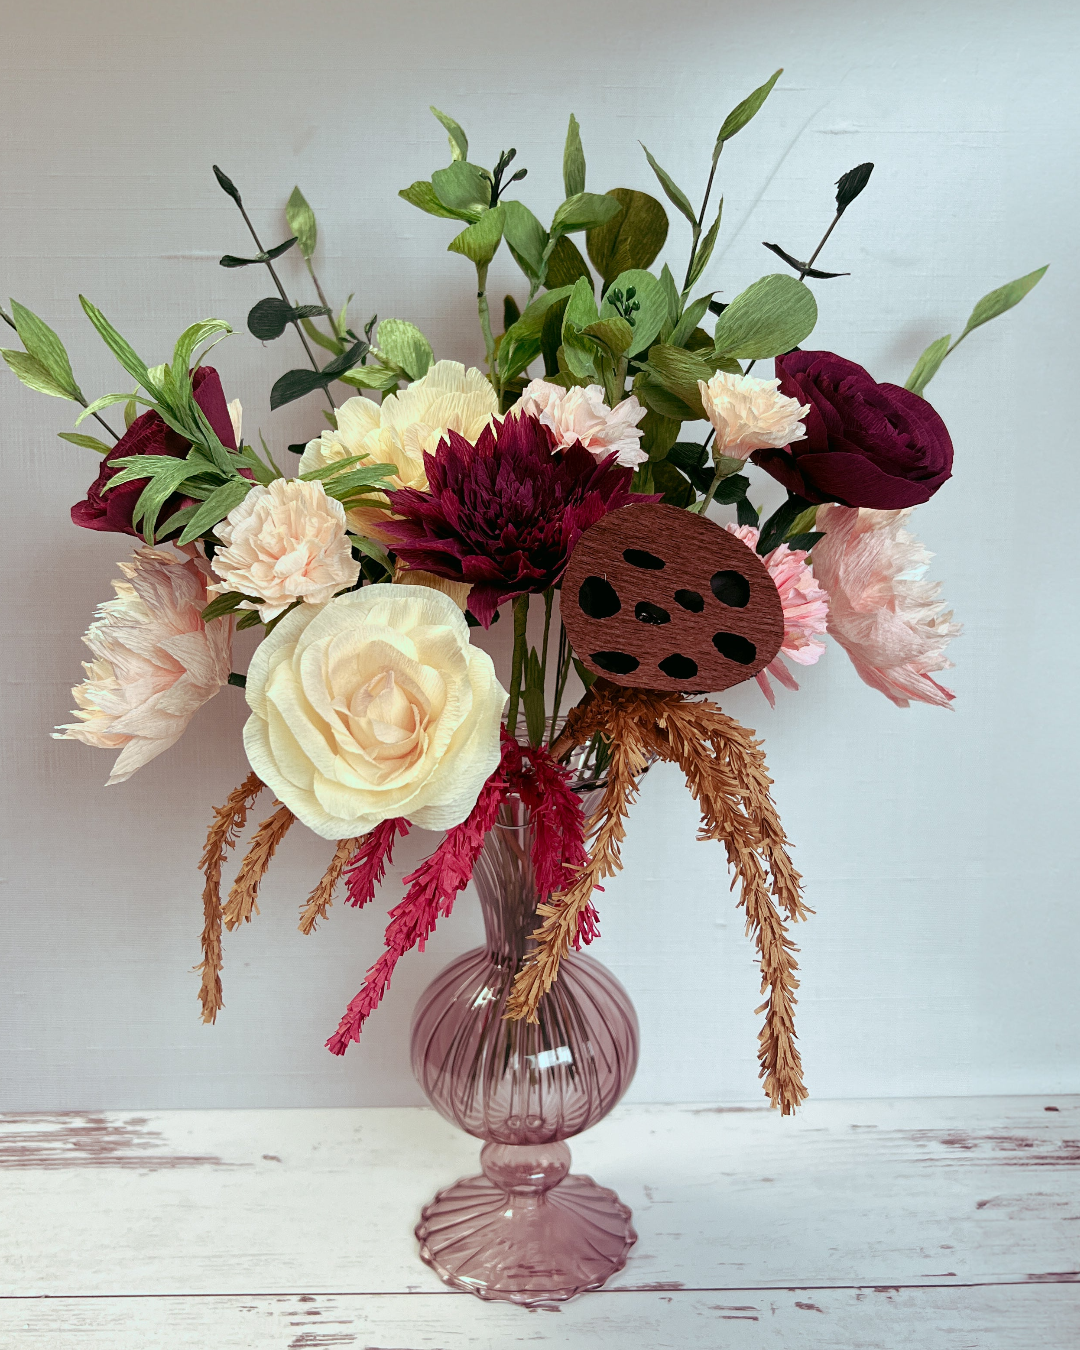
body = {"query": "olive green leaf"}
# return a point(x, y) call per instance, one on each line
point(525, 237)
point(480, 242)
point(584, 211)
point(120, 347)
point(692, 316)
point(613, 334)
point(463, 189)
point(46, 348)
point(404, 344)
point(216, 507)
point(926, 367)
point(520, 343)
point(678, 372)
point(997, 302)
point(372, 377)
point(649, 296)
point(773, 315)
point(87, 442)
point(630, 239)
point(739, 116)
point(301, 220)
point(581, 311)
point(573, 161)
point(422, 194)
point(675, 195)
point(566, 264)
point(671, 295)
point(34, 375)
point(705, 249)
point(459, 142)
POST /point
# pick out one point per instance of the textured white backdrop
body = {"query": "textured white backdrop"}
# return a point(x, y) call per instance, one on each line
point(938, 847)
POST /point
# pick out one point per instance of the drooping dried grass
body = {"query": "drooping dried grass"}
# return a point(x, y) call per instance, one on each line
point(322, 897)
point(244, 897)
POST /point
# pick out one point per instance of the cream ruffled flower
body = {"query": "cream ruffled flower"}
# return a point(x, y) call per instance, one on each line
point(749, 414)
point(458, 591)
point(405, 427)
point(582, 415)
point(283, 543)
point(888, 619)
point(155, 661)
point(374, 706)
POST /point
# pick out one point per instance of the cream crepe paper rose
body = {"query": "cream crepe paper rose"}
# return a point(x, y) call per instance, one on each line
point(155, 661)
point(582, 415)
point(375, 705)
point(283, 543)
point(405, 427)
point(749, 414)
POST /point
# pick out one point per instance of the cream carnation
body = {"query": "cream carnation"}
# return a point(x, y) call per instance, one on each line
point(582, 415)
point(374, 706)
point(283, 543)
point(406, 427)
point(749, 414)
point(155, 661)
point(885, 615)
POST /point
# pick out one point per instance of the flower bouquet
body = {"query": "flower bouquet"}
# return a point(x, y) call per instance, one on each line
point(580, 499)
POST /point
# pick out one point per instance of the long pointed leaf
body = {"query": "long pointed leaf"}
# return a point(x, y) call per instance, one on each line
point(216, 507)
point(675, 195)
point(43, 344)
point(120, 347)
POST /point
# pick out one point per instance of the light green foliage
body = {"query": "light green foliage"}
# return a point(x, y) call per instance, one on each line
point(675, 195)
point(120, 348)
point(773, 315)
point(675, 372)
point(692, 316)
point(525, 237)
point(459, 142)
point(301, 220)
point(748, 108)
point(585, 211)
point(581, 311)
point(652, 305)
point(480, 242)
point(87, 442)
point(613, 334)
point(372, 377)
point(422, 194)
point(33, 374)
point(632, 238)
point(46, 348)
point(573, 164)
point(403, 343)
point(926, 367)
point(371, 548)
point(521, 341)
point(704, 250)
point(565, 264)
point(463, 189)
point(671, 296)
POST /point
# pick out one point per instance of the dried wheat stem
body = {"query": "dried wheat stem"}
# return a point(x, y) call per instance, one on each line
point(322, 897)
point(243, 898)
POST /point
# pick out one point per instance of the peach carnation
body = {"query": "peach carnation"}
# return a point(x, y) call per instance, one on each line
point(749, 414)
point(155, 661)
point(283, 543)
point(805, 604)
point(582, 415)
point(888, 619)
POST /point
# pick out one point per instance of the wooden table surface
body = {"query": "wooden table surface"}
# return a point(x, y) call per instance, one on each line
point(923, 1223)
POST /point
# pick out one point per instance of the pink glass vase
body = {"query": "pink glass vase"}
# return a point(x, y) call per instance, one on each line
point(527, 1230)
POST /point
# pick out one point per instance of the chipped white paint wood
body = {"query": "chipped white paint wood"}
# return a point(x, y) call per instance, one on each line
point(950, 1222)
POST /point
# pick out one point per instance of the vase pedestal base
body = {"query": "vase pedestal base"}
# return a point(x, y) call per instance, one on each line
point(526, 1231)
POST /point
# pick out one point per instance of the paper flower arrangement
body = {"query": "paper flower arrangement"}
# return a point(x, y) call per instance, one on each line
point(571, 469)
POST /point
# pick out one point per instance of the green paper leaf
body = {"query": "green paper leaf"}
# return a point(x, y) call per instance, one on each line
point(34, 375)
point(249, 619)
point(748, 108)
point(926, 367)
point(692, 316)
point(46, 348)
point(573, 160)
point(216, 507)
point(191, 337)
point(997, 302)
point(676, 487)
point(614, 334)
point(230, 259)
point(566, 264)
point(463, 189)
point(422, 194)
point(772, 316)
point(705, 249)
point(227, 185)
point(372, 377)
point(480, 242)
point(581, 311)
point(156, 493)
point(107, 401)
point(404, 344)
point(87, 442)
point(631, 239)
point(776, 527)
point(525, 237)
point(649, 295)
point(301, 220)
point(269, 318)
point(224, 604)
point(804, 541)
point(587, 678)
point(520, 344)
point(328, 344)
point(120, 347)
point(671, 295)
point(459, 142)
point(678, 372)
point(803, 523)
point(675, 195)
point(532, 698)
point(371, 548)
point(585, 211)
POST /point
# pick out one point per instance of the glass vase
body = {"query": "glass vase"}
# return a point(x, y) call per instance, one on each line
point(526, 1230)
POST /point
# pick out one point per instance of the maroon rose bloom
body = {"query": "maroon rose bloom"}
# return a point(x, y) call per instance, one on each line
point(150, 435)
point(506, 513)
point(867, 444)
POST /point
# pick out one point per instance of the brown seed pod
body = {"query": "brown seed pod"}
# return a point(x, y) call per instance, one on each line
point(657, 598)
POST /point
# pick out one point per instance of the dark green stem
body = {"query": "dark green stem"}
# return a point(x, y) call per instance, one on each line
point(517, 662)
point(549, 597)
point(700, 222)
point(562, 674)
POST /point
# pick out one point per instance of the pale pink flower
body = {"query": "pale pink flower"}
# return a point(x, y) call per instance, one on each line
point(155, 661)
point(888, 619)
point(805, 604)
point(283, 543)
point(582, 415)
point(749, 414)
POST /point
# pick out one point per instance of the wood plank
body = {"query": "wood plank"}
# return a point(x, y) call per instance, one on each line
point(1045, 1317)
point(880, 1193)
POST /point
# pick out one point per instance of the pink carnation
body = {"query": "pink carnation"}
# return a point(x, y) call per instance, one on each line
point(887, 618)
point(806, 609)
point(582, 415)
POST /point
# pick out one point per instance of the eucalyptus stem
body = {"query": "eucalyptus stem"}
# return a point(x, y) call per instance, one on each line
point(824, 240)
point(517, 662)
point(485, 324)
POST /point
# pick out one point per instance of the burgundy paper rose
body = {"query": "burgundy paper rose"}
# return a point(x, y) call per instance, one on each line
point(867, 444)
point(150, 435)
point(506, 513)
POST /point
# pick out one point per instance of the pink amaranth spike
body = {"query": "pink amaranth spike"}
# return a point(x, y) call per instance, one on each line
point(371, 859)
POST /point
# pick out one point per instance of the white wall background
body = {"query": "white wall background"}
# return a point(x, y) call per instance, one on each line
point(938, 847)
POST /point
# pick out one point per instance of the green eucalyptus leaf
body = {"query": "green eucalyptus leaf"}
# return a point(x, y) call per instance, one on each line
point(119, 346)
point(566, 264)
point(997, 302)
point(42, 343)
point(463, 189)
point(584, 211)
point(649, 318)
point(926, 367)
point(34, 375)
point(748, 108)
point(525, 237)
point(216, 507)
point(404, 344)
point(301, 220)
point(850, 184)
point(269, 318)
point(631, 239)
point(87, 442)
point(614, 334)
point(422, 194)
point(480, 242)
point(459, 142)
point(675, 195)
point(227, 185)
point(772, 316)
point(278, 250)
point(573, 160)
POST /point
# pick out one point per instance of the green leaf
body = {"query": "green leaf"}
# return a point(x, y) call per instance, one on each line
point(327, 470)
point(739, 116)
point(278, 250)
point(231, 260)
point(671, 295)
point(46, 348)
point(630, 240)
point(649, 295)
point(580, 312)
point(269, 318)
point(249, 619)
point(614, 334)
point(772, 316)
point(459, 142)
point(511, 313)
point(480, 242)
point(422, 194)
point(87, 442)
point(776, 527)
point(295, 384)
point(107, 401)
point(692, 316)
point(328, 344)
point(520, 344)
point(997, 302)
point(371, 548)
point(372, 377)
point(677, 489)
point(532, 698)
point(705, 248)
point(191, 337)
point(301, 220)
point(156, 493)
point(131, 411)
point(802, 523)
point(926, 367)
point(573, 160)
point(678, 372)
point(463, 189)
point(804, 541)
point(675, 195)
point(216, 507)
point(404, 344)
point(850, 184)
point(566, 264)
point(525, 237)
point(227, 185)
point(120, 348)
point(584, 211)
point(659, 434)
point(34, 375)
point(224, 604)
point(587, 678)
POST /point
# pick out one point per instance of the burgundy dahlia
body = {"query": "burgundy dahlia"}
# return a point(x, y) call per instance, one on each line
point(506, 513)
point(867, 444)
point(150, 435)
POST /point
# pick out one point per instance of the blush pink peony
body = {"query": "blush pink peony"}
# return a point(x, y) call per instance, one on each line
point(582, 415)
point(155, 661)
point(885, 615)
point(805, 604)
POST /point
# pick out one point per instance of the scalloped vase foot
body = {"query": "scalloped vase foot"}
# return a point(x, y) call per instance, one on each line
point(525, 1231)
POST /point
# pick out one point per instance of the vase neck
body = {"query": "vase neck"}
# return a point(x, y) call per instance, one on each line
point(506, 885)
